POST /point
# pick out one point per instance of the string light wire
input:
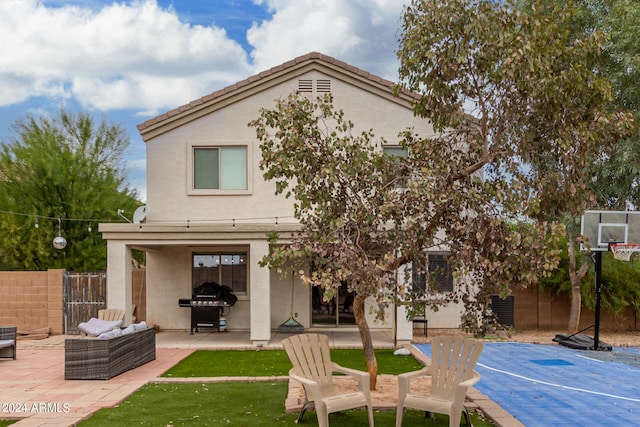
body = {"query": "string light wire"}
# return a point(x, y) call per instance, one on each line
point(176, 221)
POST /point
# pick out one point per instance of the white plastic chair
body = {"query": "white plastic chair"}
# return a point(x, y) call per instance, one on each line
point(452, 373)
point(111, 314)
point(313, 368)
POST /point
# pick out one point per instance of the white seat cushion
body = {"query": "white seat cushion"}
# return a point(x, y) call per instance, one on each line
point(110, 334)
point(140, 326)
point(6, 343)
point(96, 326)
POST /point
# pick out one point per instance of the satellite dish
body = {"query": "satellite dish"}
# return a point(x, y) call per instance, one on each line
point(139, 215)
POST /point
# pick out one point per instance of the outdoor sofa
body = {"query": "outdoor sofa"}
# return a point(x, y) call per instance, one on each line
point(8, 342)
point(110, 354)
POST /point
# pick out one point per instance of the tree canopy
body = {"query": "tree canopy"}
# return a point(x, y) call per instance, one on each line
point(615, 174)
point(543, 110)
point(60, 176)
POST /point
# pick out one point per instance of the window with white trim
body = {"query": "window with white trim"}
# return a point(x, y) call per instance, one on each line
point(219, 167)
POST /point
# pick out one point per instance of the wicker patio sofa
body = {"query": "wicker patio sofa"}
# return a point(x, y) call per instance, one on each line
point(102, 359)
point(8, 342)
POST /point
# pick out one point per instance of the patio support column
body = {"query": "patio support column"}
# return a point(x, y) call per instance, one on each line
point(119, 278)
point(260, 294)
point(404, 327)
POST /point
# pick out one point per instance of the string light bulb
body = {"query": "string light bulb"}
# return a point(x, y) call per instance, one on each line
point(59, 242)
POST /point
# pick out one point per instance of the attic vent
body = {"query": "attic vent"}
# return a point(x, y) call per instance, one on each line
point(305, 85)
point(323, 86)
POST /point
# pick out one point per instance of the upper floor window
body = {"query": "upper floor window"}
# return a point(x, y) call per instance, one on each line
point(220, 169)
point(432, 273)
point(397, 154)
point(395, 150)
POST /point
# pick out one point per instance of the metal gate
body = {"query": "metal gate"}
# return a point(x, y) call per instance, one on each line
point(84, 294)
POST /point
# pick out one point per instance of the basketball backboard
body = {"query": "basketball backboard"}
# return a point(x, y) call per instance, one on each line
point(602, 228)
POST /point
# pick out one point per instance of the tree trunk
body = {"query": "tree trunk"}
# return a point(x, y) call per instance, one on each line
point(576, 307)
point(367, 342)
point(576, 278)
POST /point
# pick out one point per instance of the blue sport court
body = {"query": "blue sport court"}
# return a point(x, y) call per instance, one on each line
point(552, 385)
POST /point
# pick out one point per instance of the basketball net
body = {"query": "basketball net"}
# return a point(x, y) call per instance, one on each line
point(623, 252)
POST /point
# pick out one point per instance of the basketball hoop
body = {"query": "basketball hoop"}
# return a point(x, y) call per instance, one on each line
point(623, 252)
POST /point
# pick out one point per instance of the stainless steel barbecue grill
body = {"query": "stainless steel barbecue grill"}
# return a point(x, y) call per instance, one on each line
point(207, 304)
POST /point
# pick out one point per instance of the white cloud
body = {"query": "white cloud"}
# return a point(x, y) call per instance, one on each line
point(361, 32)
point(139, 56)
point(122, 56)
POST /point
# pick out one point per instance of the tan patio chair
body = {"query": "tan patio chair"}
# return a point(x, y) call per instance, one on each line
point(8, 342)
point(452, 373)
point(111, 314)
point(312, 366)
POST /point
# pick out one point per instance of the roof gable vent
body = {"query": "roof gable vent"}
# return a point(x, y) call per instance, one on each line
point(323, 86)
point(305, 85)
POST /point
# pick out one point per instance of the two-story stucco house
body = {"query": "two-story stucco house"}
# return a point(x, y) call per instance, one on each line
point(209, 208)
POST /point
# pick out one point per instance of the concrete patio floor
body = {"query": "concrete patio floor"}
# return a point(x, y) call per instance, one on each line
point(33, 388)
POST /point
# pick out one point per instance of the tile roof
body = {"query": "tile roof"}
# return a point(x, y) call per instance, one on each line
point(294, 63)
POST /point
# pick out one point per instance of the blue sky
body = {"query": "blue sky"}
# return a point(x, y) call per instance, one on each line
point(129, 60)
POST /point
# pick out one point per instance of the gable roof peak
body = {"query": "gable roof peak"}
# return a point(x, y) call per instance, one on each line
point(298, 62)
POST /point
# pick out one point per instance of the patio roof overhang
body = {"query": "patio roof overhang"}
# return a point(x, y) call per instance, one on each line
point(150, 236)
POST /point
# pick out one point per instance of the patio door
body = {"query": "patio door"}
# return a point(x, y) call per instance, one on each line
point(334, 313)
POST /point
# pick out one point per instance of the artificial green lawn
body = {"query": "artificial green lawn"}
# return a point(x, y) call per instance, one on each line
point(234, 404)
point(203, 404)
point(247, 403)
point(233, 363)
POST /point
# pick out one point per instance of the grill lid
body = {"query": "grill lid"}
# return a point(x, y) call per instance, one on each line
point(212, 290)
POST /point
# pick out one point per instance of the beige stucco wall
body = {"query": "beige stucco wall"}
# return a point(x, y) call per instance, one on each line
point(168, 154)
point(170, 202)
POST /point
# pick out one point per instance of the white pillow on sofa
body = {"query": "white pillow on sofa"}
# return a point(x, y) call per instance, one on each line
point(96, 326)
point(140, 326)
point(128, 329)
point(112, 333)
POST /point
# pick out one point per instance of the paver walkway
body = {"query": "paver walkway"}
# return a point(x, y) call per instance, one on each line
point(33, 388)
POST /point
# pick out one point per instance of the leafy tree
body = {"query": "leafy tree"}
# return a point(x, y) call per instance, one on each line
point(365, 215)
point(615, 182)
point(342, 187)
point(619, 281)
point(544, 112)
point(60, 176)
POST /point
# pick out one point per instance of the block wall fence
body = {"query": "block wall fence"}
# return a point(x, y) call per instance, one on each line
point(33, 300)
point(538, 309)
